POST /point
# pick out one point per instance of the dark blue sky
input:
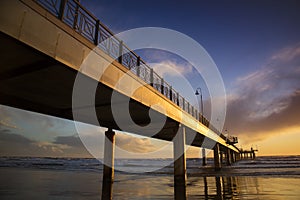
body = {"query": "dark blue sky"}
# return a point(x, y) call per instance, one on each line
point(239, 35)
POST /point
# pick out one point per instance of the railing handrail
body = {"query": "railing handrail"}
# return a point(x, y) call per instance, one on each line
point(94, 36)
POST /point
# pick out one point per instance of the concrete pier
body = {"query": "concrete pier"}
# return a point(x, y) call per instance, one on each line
point(180, 176)
point(203, 157)
point(108, 165)
point(62, 52)
point(249, 154)
point(217, 160)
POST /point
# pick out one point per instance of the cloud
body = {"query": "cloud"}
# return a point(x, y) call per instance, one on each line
point(7, 123)
point(171, 68)
point(10, 116)
point(288, 54)
point(72, 141)
point(15, 144)
point(12, 144)
point(7, 136)
point(6, 118)
point(135, 144)
point(51, 147)
point(268, 100)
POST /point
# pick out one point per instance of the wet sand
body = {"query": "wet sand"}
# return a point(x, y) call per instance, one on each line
point(22, 183)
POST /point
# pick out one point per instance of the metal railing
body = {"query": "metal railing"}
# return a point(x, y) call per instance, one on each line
point(86, 24)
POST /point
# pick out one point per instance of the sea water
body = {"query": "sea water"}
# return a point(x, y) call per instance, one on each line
point(275, 177)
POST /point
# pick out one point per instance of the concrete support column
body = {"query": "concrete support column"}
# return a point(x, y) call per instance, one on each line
point(108, 165)
point(220, 156)
point(217, 157)
point(179, 164)
point(203, 157)
point(228, 157)
point(235, 156)
point(223, 157)
point(232, 154)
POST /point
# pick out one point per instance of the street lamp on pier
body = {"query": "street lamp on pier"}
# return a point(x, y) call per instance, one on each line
point(197, 93)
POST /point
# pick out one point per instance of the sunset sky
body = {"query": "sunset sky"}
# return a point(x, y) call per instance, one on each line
point(255, 45)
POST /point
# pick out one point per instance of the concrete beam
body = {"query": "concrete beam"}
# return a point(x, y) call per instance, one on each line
point(180, 176)
point(108, 165)
point(26, 69)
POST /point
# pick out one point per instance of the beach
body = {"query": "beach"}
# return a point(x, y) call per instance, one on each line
point(55, 180)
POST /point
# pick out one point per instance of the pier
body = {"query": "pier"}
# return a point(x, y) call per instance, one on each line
point(50, 45)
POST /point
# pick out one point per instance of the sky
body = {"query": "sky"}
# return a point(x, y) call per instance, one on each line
point(255, 45)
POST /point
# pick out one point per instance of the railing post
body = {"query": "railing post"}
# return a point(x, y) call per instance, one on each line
point(151, 77)
point(171, 96)
point(62, 9)
point(76, 14)
point(183, 103)
point(177, 99)
point(162, 88)
point(120, 59)
point(97, 32)
point(138, 64)
point(188, 110)
point(193, 111)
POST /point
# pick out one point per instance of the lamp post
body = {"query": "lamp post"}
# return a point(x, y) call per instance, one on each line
point(201, 101)
point(201, 108)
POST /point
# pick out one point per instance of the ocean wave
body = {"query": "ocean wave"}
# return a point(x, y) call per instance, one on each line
point(261, 166)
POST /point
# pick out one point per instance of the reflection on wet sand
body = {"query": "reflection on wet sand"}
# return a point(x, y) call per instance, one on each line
point(221, 188)
point(32, 183)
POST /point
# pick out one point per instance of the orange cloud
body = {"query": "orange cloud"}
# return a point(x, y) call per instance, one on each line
point(265, 104)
